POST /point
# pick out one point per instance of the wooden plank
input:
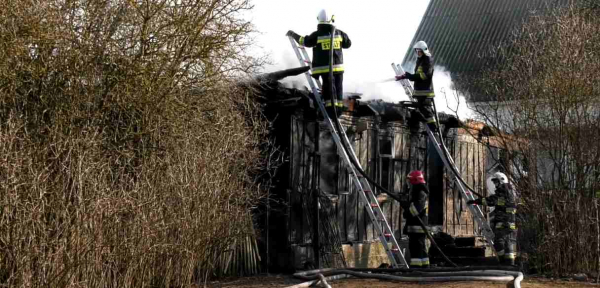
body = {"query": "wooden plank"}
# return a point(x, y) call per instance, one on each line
point(341, 215)
point(394, 215)
point(329, 162)
point(295, 214)
point(360, 217)
point(467, 176)
point(341, 206)
point(351, 209)
point(375, 149)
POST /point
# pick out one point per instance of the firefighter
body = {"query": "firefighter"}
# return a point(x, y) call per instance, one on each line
point(414, 209)
point(423, 83)
point(320, 40)
point(504, 222)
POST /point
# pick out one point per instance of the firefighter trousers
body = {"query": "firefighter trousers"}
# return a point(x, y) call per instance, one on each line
point(425, 106)
point(505, 243)
point(338, 89)
point(417, 246)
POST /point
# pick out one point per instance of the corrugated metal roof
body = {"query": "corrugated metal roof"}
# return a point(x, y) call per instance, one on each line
point(457, 31)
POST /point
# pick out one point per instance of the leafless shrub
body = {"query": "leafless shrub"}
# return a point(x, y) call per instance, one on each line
point(127, 155)
point(541, 90)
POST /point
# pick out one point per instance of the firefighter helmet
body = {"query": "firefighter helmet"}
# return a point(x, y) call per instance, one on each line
point(423, 47)
point(416, 177)
point(500, 177)
point(324, 18)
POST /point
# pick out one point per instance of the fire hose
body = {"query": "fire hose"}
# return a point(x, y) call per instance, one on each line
point(320, 276)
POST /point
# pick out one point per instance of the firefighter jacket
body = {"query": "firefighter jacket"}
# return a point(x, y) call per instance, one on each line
point(505, 200)
point(423, 77)
point(320, 40)
point(416, 207)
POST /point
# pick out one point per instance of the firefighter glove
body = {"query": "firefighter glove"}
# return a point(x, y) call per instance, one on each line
point(471, 202)
point(400, 77)
point(290, 33)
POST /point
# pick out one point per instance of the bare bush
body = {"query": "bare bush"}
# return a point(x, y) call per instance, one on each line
point(541, 89)
point(127, 155)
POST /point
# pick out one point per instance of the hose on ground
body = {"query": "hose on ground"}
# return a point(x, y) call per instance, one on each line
point(430, 275)
point(320, 282)
point(437, 269)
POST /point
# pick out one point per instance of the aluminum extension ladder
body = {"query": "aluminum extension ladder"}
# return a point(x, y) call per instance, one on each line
point(484, 226)
point(386, 235)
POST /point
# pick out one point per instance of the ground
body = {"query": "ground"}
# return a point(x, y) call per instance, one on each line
point(286, 280)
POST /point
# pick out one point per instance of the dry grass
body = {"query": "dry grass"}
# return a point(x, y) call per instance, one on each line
point(127, 159)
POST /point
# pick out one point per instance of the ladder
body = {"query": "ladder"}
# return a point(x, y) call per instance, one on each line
point(369, 200)
point(485, 229)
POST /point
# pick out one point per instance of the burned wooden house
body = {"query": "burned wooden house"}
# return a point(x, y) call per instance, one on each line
point(315, 215)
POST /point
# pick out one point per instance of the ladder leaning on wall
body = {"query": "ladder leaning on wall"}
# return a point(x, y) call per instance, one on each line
point(369, 200)
point(485, 229)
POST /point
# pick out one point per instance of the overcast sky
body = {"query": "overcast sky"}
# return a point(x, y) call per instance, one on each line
point(381, 32)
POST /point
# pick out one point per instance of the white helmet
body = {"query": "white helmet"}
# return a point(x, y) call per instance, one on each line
point(501, 177)
point(324, 18)
point(423, 46)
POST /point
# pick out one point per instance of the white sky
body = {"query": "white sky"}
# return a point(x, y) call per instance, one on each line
point(381, 32)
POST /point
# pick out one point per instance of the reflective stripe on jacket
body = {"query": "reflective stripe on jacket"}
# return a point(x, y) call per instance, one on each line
point(505, 200)
point(419, 261)
point(505, 225)
point(418, 208)
point(320, 41)
point(423, 77)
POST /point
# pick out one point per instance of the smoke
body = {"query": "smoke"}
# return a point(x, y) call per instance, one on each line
point(387, 90)
point(447, 99)
point(289, 60)
point(295, 82)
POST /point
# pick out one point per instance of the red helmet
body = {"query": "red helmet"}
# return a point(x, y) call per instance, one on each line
point(416, 177)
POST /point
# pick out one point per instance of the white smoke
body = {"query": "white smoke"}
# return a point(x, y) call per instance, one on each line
point(447, 99)
point(387, 90)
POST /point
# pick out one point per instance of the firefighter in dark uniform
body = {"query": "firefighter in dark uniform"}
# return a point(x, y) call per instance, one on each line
point(414, 209)
point(504, 222)
point(320, 40)
point(423, 83)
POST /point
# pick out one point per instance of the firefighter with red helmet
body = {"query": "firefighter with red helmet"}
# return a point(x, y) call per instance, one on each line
point(415, 209)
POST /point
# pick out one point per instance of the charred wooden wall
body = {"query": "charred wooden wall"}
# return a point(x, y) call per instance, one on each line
point(314, 170)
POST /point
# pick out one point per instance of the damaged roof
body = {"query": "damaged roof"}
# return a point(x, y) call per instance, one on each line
point(456, 31)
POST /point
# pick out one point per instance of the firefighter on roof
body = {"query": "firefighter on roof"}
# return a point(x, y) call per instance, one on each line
point(416, 208)
point(504, 222)
point(423, 84)
point(320, 40)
